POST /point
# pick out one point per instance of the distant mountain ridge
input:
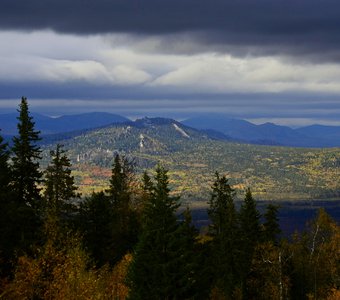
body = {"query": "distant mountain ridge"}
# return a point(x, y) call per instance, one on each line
point(216, 126)
point(268, 133)
point(66, 123)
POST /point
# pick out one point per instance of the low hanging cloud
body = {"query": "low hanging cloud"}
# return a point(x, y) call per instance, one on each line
point(224, 73)
point(100, 64)
point(65, 59)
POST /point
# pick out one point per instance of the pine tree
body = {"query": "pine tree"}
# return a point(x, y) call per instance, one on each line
point(189, 267)
point(25, 160)
point(125, 221)
point(271, 224)
point(224, 230)
point(147, 185)
point(154, 272)
point(119, 189)
point(21, 216)
point(59, 182)
point(59, 191)
point(250, 233)
point(96, 223)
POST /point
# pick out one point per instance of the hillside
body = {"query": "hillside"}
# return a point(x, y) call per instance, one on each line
point(192, 157)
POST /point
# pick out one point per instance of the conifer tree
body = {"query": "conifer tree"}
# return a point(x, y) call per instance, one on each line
point(59, 182)
point(119, 191)
point(250, 233)
point(224, 230)
point(271, 224)
point(96, 222)
point(147, 185)
point(189, 267)
point(145, 192)
point(125, 223)
point(25, 160)
point(154, 272)
point(108, 220)
point(22, 212)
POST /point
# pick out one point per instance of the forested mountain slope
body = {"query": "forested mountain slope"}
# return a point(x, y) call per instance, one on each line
point(193, 156)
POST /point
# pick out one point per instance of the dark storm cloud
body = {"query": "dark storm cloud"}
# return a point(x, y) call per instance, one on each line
point(307, 27)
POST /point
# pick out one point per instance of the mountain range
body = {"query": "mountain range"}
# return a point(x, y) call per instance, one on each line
point(66, 123)
point(269, 134)
point(215, 125)
point(193, 156)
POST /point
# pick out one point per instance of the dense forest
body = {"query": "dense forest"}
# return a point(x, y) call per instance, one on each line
point(132, 240)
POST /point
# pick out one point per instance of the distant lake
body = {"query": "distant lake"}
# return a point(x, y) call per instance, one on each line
point(293, 215)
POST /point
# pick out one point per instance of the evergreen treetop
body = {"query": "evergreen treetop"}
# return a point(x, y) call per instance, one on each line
point(59, 182)
point(122, 171)
point(271, 224)
point(225, 253)
point(25, 160)
point(249, 218)
point(154, 273)
point(222, 212)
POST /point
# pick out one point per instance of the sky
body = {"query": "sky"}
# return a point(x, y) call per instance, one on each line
point(263, 60)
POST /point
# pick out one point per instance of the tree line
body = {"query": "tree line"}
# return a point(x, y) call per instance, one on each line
point(132, 241)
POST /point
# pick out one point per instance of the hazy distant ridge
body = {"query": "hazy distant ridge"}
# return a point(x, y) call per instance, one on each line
point(216, 126)
point(269, 133)
point(67, 123)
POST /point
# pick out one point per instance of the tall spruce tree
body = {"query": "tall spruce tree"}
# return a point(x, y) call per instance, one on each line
point(26, 159)
point(271, 226)
point(125, 221)
point(108, 221)
point(189, 263)
point(59, 183)
point(250, 234)
point(224, 230)
point(21, 215)
point(96, 223)
point(155, 272)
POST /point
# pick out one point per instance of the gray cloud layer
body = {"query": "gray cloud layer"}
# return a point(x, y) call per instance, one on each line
point(308, 27)
point(249, 58)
